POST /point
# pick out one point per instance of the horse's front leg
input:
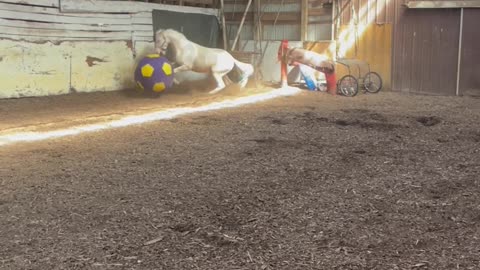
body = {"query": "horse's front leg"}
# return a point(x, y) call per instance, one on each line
point(179, 69)
point(220, 83)
point(182, 68)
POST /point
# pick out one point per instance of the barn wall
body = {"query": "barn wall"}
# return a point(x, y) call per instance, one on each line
point(51, 47)
point(426, 51)
point(374, 47)
point(364, 30)
point(470, 58)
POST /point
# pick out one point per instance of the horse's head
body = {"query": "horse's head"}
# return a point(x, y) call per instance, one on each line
point(161, 42)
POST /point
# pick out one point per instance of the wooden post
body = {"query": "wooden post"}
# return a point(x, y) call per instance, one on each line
point(258, 19)
point(241, 25)
point(224, 27)
point(459, 60)
point(333, 22)
point(304, 20)
point(257, 38)
point(337, 16)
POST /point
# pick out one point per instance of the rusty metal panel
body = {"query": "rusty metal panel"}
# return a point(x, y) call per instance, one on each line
point(425, 50)
point(470, 57)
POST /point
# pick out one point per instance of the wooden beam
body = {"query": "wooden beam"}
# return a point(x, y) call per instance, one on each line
point(319, 11)
point(224, 26)
point(98, 6)
point(41, 3)
point(304, 20)
point(258, 30)
point(63, 33)
point(240, 2)
point(52, 18)
point(267, 16)
point(54, 11)
point(241, 25)
point(341, 10)
point(198, 2)
point(332, 34)
point(79, 27)
point(443, 4)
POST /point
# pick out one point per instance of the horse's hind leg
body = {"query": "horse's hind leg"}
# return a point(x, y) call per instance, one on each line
point(220, 83)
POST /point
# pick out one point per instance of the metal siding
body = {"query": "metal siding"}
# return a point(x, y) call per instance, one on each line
point(266, 7)
point(470, 58)
point(318, 32)
point(247, 31)
point(235, 8)
point(425, 50)
point(368, 11)
point(278, 7)
point(279, 32)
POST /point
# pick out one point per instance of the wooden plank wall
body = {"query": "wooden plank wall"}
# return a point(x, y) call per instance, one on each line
point(66, 20)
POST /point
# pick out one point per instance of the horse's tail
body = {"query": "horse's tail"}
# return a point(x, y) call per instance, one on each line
point(241, 72)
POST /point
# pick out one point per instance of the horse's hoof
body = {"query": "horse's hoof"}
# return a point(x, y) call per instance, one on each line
point(214, 91)
point(243, 83)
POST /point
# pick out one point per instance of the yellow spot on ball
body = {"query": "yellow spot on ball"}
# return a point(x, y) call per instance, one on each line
point(153, 55)
point(167, 69)
point(159, 87)
point(140, 86)
point(147, 71)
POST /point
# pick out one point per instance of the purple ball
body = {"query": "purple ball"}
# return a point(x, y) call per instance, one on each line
point(154, 74)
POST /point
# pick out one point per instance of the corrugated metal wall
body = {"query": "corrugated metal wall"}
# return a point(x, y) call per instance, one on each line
point(279, 32)
point(470, 61)
point(367, 11)
point(425, 50)
point(426, 47)
point(316, 31)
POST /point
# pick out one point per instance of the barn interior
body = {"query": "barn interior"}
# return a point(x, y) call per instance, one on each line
point(96, 174)
point(72, 56)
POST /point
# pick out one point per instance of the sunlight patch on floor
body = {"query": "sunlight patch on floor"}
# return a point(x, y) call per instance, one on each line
point(17, 137)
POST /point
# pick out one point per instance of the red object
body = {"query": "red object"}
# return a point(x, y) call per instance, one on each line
point(331, 82)
point(331, 79)
point(282, 57)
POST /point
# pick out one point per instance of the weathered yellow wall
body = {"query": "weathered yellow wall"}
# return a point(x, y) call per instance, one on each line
point(40, 69)
point(375, 47)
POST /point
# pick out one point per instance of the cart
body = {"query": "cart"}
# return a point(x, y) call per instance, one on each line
point(349, 85)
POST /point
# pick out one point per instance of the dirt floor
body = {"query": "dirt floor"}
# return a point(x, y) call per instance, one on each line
point(386, 181)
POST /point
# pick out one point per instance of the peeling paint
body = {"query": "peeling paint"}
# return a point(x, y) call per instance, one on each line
point(92, 61)
point(73, 66)
point(48, 72)
point(129, 44)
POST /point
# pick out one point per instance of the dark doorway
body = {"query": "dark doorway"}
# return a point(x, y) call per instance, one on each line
point(200, 28)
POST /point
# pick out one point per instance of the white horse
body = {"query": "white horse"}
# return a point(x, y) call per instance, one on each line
point(189, 56)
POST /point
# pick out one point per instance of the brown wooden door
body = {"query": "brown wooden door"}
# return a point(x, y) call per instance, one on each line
point(425, 50)
point(470, 60)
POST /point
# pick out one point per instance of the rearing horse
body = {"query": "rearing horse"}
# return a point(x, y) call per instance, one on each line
point(190, 56)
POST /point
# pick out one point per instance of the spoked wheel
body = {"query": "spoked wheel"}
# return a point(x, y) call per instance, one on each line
point(372, 82)
point(348, 86)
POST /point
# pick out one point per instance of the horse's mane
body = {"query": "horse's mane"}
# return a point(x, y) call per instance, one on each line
point(174, 33)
